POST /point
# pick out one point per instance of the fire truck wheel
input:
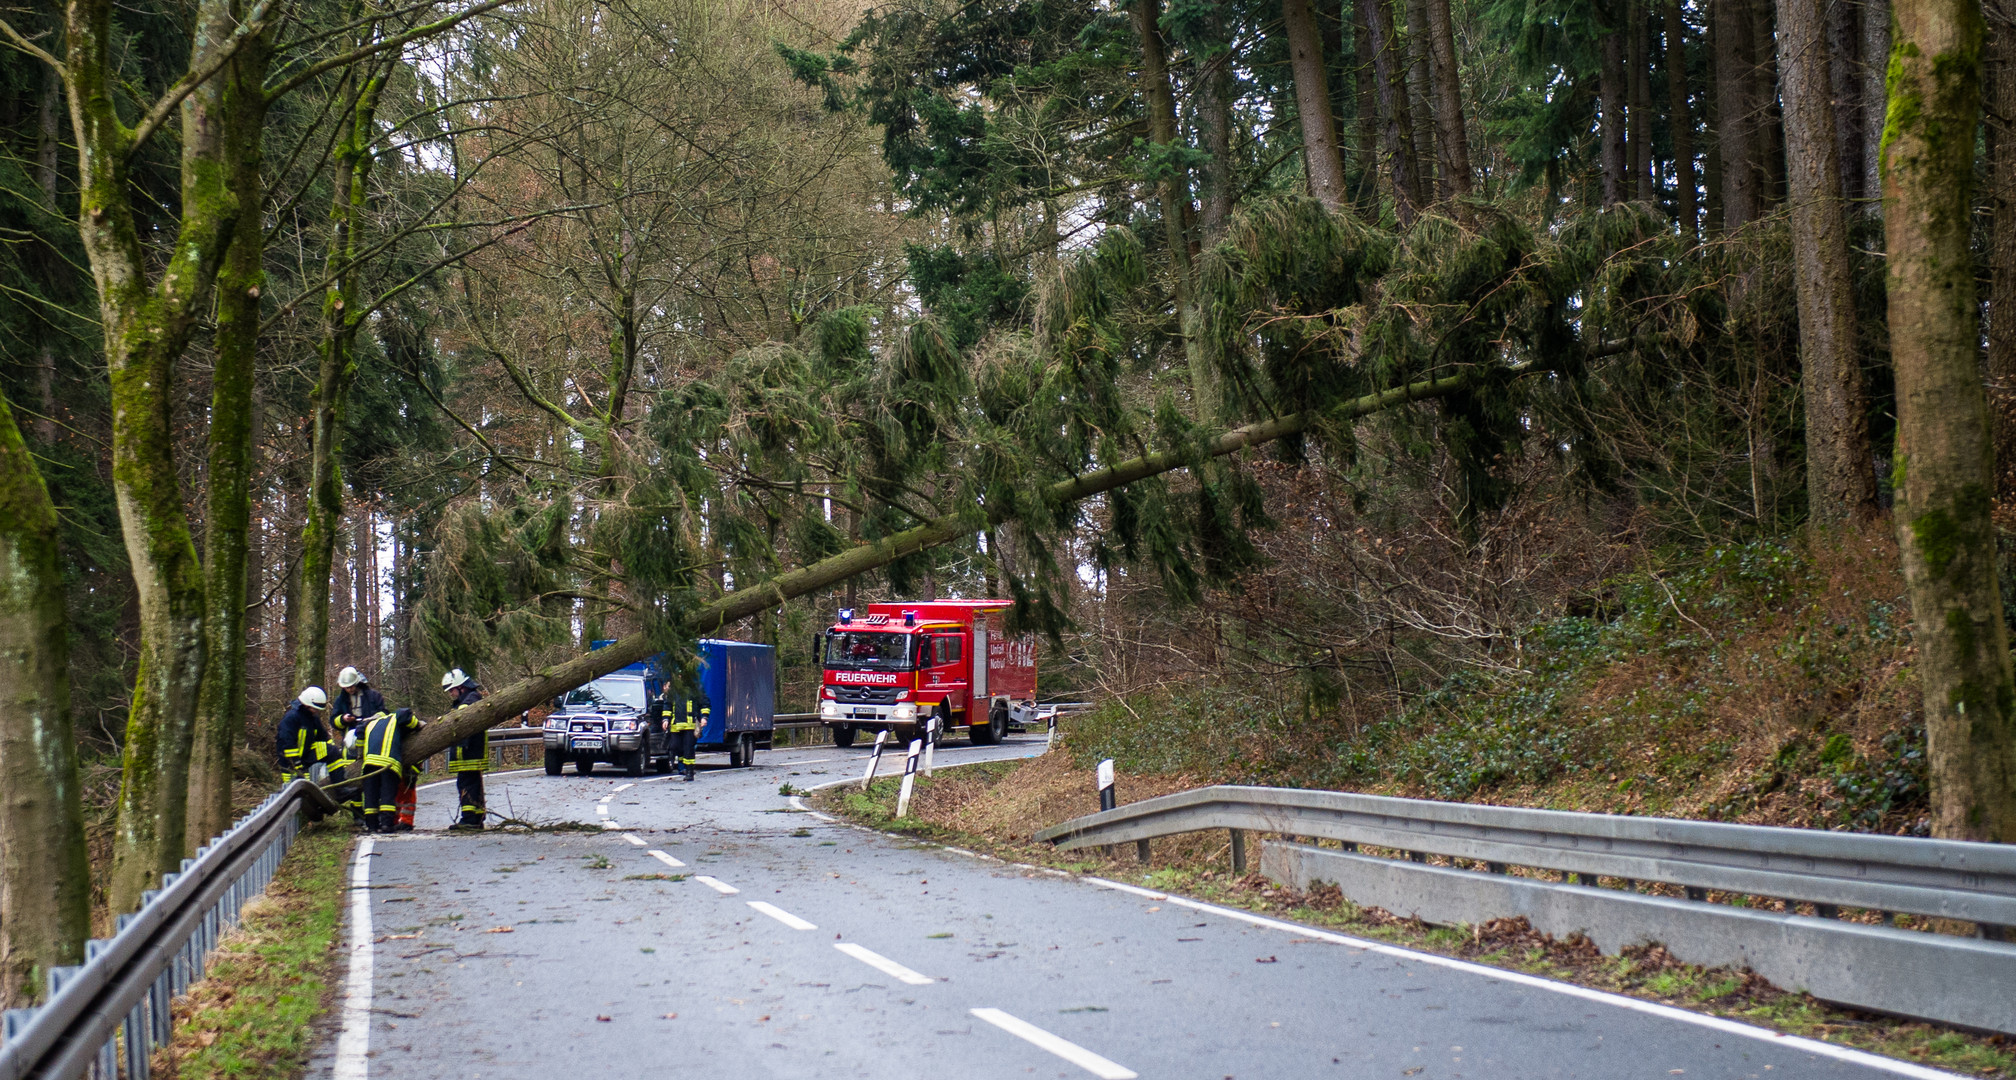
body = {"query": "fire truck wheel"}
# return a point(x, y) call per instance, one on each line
point(994, 730)
point(843, 735)
point(554, 761)
point(584, 766)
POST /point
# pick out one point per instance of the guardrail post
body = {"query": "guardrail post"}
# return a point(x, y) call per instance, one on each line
point(1141, 851)
point(1238, 850)
point(1991, 932)
point(1827, 911)
point(1495, 867)
point(1696, 894)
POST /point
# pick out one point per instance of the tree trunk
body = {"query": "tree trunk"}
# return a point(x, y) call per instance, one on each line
point(1945, 456)
point(1682, 119)
point(1451, 131)
point(1735, 112)
point(1611, 85)
point(1214, 122)
point(1639, 120)
point(1844, 72)
point(1875, 97)
point(48, 148)
point(45, 882)
point(1368, 112)
point(1174, 194)
point(1421, 97)
point(351, 176)
point(364, 539)
point(1770, 127)
point(146, 326)
point(227, 515)
point(2001, 366)
point(1396, 120)
point(1324, 162)
point(1840, 484)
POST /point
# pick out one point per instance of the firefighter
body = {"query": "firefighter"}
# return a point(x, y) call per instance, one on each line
point(686, 724)
point(301, 730)
point(342, 757)
point(356, 701)
point(470, 758)
point(384, 734)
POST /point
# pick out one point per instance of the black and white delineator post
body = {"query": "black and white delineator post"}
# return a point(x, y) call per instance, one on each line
point(930, 741)
point(1050, 732)
point(874, 759)
point(1107, 801)
point(909, 778)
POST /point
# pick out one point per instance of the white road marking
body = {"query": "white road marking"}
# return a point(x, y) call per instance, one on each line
point(493, 776)
point(624, 787)
point(883, 964)
point(632, 837)
point(798, 803)
point(654, 779)
point(781, 915)
point(602, 809)
point(611, 825)
point(353, 1046)
point(1667, 1012)
point(1064, 1048)
point(716, 884)
point(666, 859)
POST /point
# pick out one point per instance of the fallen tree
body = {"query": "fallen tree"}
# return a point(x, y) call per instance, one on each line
point(514, 699)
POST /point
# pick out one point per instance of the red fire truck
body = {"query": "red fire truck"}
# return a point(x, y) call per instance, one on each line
point(897, 665)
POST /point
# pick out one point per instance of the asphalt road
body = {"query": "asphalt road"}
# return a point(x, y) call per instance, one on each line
point(713, 928)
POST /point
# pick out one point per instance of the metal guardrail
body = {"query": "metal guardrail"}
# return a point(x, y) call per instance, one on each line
point(1942, 878)
point(122, 991)
point(1859, 962)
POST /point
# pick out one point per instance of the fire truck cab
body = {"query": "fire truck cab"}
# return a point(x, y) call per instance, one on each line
point(896, 665)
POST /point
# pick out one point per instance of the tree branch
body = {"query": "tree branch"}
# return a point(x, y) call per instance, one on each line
point(397, 41)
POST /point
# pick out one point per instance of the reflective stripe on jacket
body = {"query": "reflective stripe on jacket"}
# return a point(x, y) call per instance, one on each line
point(383, 736)
point(473, 753)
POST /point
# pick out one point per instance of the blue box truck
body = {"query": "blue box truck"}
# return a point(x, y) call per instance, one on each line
point(607, 720)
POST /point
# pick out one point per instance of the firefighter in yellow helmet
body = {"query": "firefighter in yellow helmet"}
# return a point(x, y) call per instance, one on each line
point(470, 758)
point(384, 736)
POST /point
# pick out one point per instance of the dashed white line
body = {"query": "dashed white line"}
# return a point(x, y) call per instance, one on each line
point(1064, 1048)
point(632, 837)
point(883, 964)
point(716, 884)
point(353, 1046)
point(602, 809)
point(666, 859)
point(785, 917)
point(611, 825)
point(623, 787)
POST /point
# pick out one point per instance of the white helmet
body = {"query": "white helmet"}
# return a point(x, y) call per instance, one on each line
point(314, 698)
point(453, 679)
point(348, 678)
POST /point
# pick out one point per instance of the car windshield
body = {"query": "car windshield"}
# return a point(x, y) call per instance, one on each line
point(601, 692)
point(868, 650)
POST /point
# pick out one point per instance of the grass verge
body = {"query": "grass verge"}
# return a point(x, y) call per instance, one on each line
point(252, 1015)
point(993, 808)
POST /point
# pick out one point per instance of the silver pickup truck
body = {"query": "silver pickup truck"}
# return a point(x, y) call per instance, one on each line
point(605, 721)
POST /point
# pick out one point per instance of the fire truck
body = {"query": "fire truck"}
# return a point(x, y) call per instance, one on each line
point(897, 665)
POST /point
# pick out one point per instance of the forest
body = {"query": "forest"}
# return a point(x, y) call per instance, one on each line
point(1321, 380)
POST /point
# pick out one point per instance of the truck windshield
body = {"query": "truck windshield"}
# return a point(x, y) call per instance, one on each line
point(890, 652)
point(629, 692)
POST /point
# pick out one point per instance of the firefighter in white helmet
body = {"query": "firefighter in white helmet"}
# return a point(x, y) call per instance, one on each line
point(470, 758)
point(300, 732)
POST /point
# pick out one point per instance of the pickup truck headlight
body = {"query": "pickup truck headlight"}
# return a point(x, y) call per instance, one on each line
point(906, 711)
point(622, 725)
point(556, 723)
point(828, 710)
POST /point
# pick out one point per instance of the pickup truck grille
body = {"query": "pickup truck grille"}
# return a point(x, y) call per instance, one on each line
point(586, 725)
point(865, 695)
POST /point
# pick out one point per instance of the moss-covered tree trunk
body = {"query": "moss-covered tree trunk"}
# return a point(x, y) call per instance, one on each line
point(341, 320)
point(227, 515)
point(1840, 477)
point(45, 883)
point(1945, 458)
point(148, 314)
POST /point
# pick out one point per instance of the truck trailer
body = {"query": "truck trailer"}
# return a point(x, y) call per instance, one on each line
point(608, 720)
point(895, 666)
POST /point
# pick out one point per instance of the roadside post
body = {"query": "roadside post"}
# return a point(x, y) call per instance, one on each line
point(909, 778)
point(1050, 730)
point(930, 741)
point(874, 759)
point(1107, 800)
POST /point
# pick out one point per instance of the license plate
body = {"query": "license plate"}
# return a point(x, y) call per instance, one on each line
point(864, 715)
point(587, 742)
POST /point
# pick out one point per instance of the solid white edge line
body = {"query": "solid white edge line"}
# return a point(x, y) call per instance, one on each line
point(798, 803)
point(623, 787)
point(1668, 1012)
point(664, 858)
point(633, 838)
point(353, 1046)
point(1063, 1048)
point(883, 964)
point(781, 915)
point(611, 825)
point(716, 884)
